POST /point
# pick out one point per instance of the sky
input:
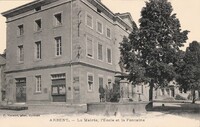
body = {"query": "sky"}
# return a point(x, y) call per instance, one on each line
point(187, 12)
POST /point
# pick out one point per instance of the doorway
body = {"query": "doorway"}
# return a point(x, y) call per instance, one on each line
point(21, 90)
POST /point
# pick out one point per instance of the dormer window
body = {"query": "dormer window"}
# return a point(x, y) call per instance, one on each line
point(98, 10)
point(38, 8)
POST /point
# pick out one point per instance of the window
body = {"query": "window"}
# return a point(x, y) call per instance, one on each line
point(108, 32)
point(109, 82)
point(58, 19)
point(109, 55)
point(101, 81)
point(38, 8)
point(58, 46)
point(100, 51)
point(21, 53)
point(20, 30)
point(38, 25)
point(90, 79)
point(99, 27)
point(89, 21)
point(89, 47)
point(38, 84)
point(98, 10)
point(38, 50)
point(58, 76)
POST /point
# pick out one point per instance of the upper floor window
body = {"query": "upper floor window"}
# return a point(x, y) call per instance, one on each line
point(90, 80)
point(58, 19)
point(21, 53)
point(38, 50)
point(38, 87)
point(38, 25)
point(109, 55)
point(20, 30)
point(100, 51)
point(89, 20)
point(89, 47)
point(58, 46)
point(108, 32)
point(99, 27)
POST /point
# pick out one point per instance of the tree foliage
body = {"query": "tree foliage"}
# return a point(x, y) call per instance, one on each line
point(189, 70)
point(151, 53)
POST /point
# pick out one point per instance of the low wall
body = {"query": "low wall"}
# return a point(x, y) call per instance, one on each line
point(109, 108)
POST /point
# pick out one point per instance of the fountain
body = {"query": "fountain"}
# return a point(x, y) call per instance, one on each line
point(124, 107)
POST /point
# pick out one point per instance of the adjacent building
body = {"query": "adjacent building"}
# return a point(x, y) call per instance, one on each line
point(62, 50)
point(2, 78)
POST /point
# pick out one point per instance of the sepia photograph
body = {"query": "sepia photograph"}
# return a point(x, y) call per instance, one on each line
point(99, 63)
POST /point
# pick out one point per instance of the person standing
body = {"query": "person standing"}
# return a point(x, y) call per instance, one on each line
point(101, 93)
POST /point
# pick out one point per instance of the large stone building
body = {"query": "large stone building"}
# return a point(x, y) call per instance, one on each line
point(62, 50)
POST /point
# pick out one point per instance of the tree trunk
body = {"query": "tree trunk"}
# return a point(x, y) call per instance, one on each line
point(151, 94)
point(193, 96)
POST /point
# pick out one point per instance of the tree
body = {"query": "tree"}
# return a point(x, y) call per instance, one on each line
point(189, 70)
point(151, 52)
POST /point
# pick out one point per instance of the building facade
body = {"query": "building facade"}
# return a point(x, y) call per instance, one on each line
point(2, 78)
point(62, 50)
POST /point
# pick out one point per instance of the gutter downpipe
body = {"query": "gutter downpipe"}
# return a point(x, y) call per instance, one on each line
point(71, 69)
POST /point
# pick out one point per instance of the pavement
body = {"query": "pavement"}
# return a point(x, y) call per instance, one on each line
point(64, 115)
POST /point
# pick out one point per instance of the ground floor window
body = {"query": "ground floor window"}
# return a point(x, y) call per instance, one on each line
point(38, 84)
point(90, 81)
point(58, 89)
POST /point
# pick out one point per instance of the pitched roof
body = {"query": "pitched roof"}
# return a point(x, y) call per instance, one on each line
point(36, 3)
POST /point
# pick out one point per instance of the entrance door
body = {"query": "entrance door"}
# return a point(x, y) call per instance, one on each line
point(21, 90)
point(58, 88)
point(58, 93)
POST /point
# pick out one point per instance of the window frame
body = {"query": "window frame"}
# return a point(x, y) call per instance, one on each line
point(98, 21)
point(19, 31)
point(55, 19)
point(107, 32)
point(86, 19)
point(92, 87)
point(36, 50)
point(38, 87)
point(87, 47)
point(98, 51)
point(36, 26)
point(108, 47)
point(21, 53)
point(58, 46)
